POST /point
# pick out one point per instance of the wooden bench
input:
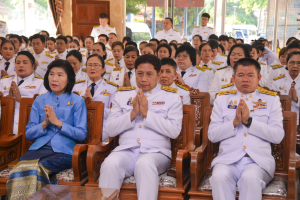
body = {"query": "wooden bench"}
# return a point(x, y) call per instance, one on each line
point(284, 154)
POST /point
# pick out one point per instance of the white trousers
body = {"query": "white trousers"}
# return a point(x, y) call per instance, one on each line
point(146, 167)
point(245, 173)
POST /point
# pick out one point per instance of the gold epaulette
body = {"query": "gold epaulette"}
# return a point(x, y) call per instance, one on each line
point(206, 67)
point(3, 21)
point(7, 76)
point(261, 63)
point(111, 26)
point(126, 88)
point(79, 81)
point(278, 66)
point(160, 30)
point(196, 26)
point(227, 92)
point(96, 26)
point(109, 59)
point(175, 30)
point(82, 51)
point(222, 54)
point(227, 85)
point(169, 89)
point(117, 68)
point(49, 55)
point(265, 91)
point(210, 27)
point(216, 63)
point(264, 53)
point(39, 77)
point(200, 68)
point(182, 87)
point(111, 83)
point(222, 68)
point(108, 48)
point(279, 77)
point(109, 63)
point(83, 69)
point(83, 55)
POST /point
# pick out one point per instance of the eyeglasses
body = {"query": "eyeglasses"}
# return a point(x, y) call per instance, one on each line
point(184, 56)
point(96, 66)
point(292, 63)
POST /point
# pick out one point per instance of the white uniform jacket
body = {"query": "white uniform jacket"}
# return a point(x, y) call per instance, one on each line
point(43, 60)
point(268, 57)
point(169, 35)
point(221, 58)
point(183, 92)
point(81, 74)
point(275, 71)
point(98, 30)
point(11, 67)
point(117, 76)
point(266, 127)
point(63, 55)
point(203, 31)
point(151, 134)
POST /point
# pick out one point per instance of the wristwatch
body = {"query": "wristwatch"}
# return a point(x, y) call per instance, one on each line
point(249, 122)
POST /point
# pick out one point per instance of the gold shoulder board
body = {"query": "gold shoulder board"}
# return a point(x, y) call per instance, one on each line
point(7, 76)
point(111, 83)
point(175, 30)
point(222, 54)
point(39, 77)
point(278, 66)
point(227, 92)
point(83, 69)
point(210, 27)
point(227, 85)
point(216, 63)
point(109, 59)
point(49, 55)
point(3, 21)
point(160, 30)
point(108, 63)
point(279, 77)
point(261, 63)
point(96, 26)
point(182, 87)
point(196, 26)
point(111, 26)
point(200, 68)
point(206, 67)
point(169, 89)
point(108, 48)
point(126, 88)
point(82, 55)
point(221, 68)
point(268, 92)
point(79, 81)
point(117, 68)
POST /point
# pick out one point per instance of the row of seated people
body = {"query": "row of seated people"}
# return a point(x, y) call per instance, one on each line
point(59, 115)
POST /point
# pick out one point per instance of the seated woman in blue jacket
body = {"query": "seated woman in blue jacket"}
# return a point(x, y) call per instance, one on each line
point(58, 119)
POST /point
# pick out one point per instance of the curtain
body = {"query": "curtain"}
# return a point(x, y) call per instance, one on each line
point(56, 17)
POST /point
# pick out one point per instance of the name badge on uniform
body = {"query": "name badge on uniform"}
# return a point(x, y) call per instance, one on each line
point(44, 62)
point(158, 103)
point(105, 93)
point(259, 104)
point(130, 101)
point(170, 35)
point(232, 105)
point(192, 75)
point(30, 87)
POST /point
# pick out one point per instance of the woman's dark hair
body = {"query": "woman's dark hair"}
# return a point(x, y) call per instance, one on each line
point(126, 38)
point(257, 51)
point(289, 40)
point(70, 37)
point(148, 58)
point(116, 44)
point(99, 57)
point(2, 39)
point(27, 54)
point(26, 40)
point(131, 43)
point(174, 45)
point(163, 40)
point(213, 44)
point(166, 46)
point(52, 39)
point(202, 45)
point(199, 36)
point(67, 67)
point(290, 55)
point(242, 41)
point(103, 48)
point(16, 36)
point(76, 42)
point(242, 46)
point(190, 50)
point(131, 48)
point(222, 48)
point(293, 45)
point(282, 52)
point(76, 54)
point(7, 41)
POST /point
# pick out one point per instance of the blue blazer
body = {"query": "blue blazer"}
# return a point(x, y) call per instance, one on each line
point(70, 109)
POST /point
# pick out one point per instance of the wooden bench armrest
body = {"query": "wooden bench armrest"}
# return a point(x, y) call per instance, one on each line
point(96, 155)
point(292, 189)
point(79, 162)
point(182, 167)
point(7, 141)
point(197, 166)
point(198, 136)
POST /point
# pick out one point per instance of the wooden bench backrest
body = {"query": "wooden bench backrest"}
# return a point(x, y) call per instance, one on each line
point(185, 140)
point(281, 152)
point(201, 100)
point(286, 102)
point(7, 116)
point(95, 110)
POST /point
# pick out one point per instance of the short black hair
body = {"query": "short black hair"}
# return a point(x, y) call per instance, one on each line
point(293, 44)
point(291, 55)
point(143, 42)
point(259, 45)
point(202, 45)
point(223, 38)
point(190, 50)
point(174, 45)
point(104, 35)
point(163, 40)
point(52, 39)
point(38, 36)
point(103, 16)
point(76, 42)
point(62, 38)
point(252, 47)
point(26, 40)
point(232, 39)
point(131, 48)
point(247, 62)
point(48, 35)
point(213, 37)
point(154, 39)
point(7, 41)
point(90, 37)
point(76, 54)
point(170, 19)
point(199, 36)
point(126, 38)
point(103, 48)
point(131, 43)
point(213, 44)
point(169, 61)
point(205, 15)
point(16, 36)
point(113, 34)
point(187, 43)
point(242, 46)
point(67, 67)
point(148, 58)
point(27, 54)
point(222, 48)
point(289, 40)
point(240, 40)
point(166, 46)
point(249, 47)
point(117, 43)
point(99, 57)
point(2, 39)
point(70, 37)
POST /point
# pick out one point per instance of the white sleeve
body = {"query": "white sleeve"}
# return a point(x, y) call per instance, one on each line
point(187, 99)
point(178, 37)
point(272, 56)
point(202, 84)
point(269, 81)
point(214, 88)
point(114, 31)
point(158, 35)
point(264, 74)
